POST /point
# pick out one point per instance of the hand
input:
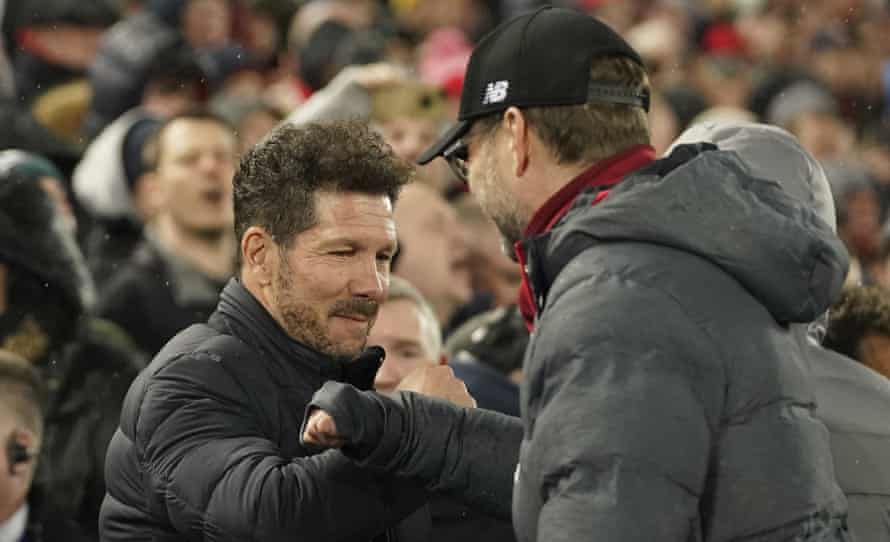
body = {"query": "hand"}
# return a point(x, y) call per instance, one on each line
point(438, 381)
point(375, 76)
point(321, 431)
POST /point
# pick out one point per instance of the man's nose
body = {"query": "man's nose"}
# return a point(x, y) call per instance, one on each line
point(368, 280)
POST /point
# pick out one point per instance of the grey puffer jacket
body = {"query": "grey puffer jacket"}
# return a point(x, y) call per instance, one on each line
point(666, 396)
point(663, 369)
point(854, 403)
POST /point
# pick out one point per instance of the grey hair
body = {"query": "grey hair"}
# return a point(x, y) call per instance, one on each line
point(400, 288)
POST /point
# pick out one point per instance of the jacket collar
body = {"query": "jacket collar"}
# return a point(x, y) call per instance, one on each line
point(603, 173)
point(248, 320)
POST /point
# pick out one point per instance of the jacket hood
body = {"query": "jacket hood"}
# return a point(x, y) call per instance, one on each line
point(708, 202)
point(770, 152)
point(34, 236)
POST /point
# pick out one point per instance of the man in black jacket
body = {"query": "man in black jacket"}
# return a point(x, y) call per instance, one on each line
point(208, 446)
point(665, 394)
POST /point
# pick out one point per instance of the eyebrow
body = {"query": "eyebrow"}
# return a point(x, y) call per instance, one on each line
point(354, 243)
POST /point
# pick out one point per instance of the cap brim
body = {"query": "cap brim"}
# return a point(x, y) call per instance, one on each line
point(453, 134)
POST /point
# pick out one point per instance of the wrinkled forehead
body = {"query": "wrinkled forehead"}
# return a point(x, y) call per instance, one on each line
point(772, 153)
point(366, 218)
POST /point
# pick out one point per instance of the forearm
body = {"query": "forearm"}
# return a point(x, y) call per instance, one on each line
point(469, 453)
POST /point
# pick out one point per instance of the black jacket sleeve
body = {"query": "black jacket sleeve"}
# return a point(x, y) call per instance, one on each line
point(218, 477)
point(468, 453)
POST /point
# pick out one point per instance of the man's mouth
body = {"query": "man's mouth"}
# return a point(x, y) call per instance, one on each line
point(354, 317)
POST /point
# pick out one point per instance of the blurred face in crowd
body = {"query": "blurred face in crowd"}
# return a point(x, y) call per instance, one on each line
point(861, 230)
point(409, 137)
point(254, 126)
point(206, 23)
point(409, 338)
point(875, 351)
point(825, 136)
point(434, 253)
point(193, 179)
point(325, 287)
point(15, 480)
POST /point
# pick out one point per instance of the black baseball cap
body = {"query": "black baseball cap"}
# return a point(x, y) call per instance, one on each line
point(542, 58)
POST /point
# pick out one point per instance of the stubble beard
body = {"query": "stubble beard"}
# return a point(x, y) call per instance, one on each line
point(302, 323)
point(502, 208)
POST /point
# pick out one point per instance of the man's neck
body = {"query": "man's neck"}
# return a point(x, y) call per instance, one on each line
point(212, 255)
point(553, 178)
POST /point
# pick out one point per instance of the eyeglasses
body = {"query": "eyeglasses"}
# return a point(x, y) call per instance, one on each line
point(457, 155)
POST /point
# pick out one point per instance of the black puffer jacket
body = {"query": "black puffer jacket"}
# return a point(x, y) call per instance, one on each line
point(209, 448)
point(666, 396)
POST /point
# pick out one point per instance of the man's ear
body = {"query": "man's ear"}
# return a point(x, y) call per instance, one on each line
point(259, 255)
point(517, 128)
point(21, 451)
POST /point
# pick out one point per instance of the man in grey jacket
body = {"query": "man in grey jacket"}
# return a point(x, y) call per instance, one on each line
point(666, 394)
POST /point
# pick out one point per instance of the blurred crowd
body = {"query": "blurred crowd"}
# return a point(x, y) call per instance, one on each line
point(123, 122)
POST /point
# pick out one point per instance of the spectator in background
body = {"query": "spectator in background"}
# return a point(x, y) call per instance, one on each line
point(108, 180)
point(433, 253)
point(55, 41)
point(407, 113)
point(858, 216)
point(408, 331)
point(86, 364)
point(859, 327)
point(493, 274)
point(129, 50)
point(24, 516)
point(486, 352)
point(174, 277)
point(252, 118)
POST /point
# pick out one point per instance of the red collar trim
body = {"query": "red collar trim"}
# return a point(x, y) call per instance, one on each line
point(603, 173)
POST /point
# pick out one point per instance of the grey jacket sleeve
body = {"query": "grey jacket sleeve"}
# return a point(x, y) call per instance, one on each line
point(468, 453)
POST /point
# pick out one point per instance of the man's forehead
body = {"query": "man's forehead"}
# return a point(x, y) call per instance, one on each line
point(179, 131)
point(342, 214)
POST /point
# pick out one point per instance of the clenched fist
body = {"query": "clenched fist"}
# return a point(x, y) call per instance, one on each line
point(438, 381)
point(322, 431)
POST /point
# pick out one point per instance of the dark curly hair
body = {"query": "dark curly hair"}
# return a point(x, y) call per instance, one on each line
point(860, 311)
point(277, 180)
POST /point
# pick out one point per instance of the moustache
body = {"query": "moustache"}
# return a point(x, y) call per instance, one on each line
point(355, 306)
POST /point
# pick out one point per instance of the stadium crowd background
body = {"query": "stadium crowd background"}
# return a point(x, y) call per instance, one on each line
point(86, 87)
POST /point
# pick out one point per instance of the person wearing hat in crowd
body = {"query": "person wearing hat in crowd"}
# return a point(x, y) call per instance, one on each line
point(650, 412)
point(87, 364)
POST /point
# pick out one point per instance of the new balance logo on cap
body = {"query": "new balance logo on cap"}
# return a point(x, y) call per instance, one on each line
point(495, 92)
